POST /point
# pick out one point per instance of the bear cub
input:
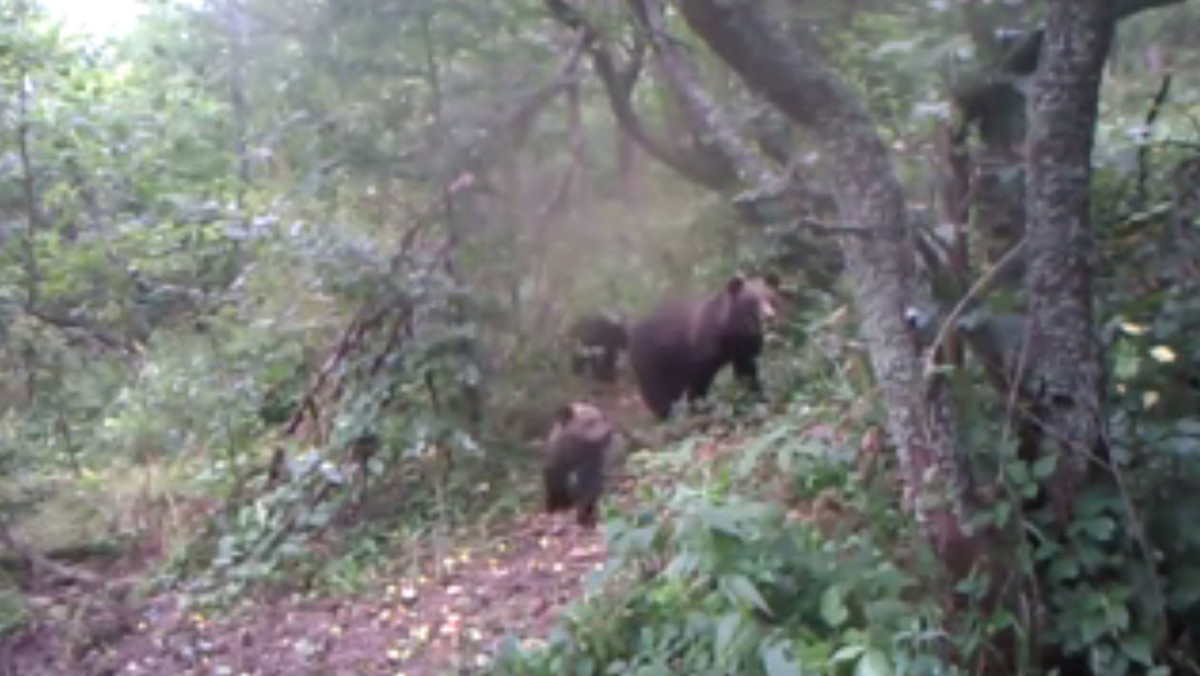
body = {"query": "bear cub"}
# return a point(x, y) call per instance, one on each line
point(597, 341)
point(576, 456)
point(683, 344)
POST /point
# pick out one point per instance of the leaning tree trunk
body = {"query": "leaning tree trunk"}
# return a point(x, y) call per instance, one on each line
point(876, 246)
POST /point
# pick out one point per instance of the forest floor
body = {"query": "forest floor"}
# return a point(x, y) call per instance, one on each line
point(514, 584)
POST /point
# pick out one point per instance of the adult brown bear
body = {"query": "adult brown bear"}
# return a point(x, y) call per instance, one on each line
point(576, 456)
point(683, 344)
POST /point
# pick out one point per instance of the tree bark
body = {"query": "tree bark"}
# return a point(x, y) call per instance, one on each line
point(1064, 108)
point(876, 245)
point(1064, 363)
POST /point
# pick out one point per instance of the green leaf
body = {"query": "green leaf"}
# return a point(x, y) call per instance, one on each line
point(727, 630)
point(721, 519)
point(873, 663)
point(1100, 528)
point(1004, 512)
point(1064, 568)
point(741, 588)
point(1091, 628)
point(833, 606)
point(1044, 466)
point(1137, 648)
point(777, 662)
point(585, 666)
point(1018, 472)
point(1118, 615)
point(847, 653)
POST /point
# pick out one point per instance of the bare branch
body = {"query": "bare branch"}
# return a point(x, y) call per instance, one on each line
point(66, 324)
point(701, 168)
point(704, 113)
point(41, 565)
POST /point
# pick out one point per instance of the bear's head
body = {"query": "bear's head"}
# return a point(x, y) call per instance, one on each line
point(582, 421)
point(753, 304)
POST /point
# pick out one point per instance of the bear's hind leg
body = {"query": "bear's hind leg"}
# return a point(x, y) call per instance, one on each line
point(699, 385)
point(659, 391)
point(606, 366)
point(558, 492)
point(589, 486)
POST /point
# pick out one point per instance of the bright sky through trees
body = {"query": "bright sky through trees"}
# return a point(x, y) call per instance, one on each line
point(100, 18)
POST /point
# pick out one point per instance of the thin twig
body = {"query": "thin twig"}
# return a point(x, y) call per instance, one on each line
point(972, 293)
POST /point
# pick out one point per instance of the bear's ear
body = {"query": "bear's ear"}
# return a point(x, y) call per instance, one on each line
point(565, 413)
point(734, 285)
point(772, 280)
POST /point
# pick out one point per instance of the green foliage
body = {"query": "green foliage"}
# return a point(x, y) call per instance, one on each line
point(731, 587)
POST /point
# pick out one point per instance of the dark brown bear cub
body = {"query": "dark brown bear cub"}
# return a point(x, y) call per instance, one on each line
point(576, 460)
point(682, 346)
point(596, 344)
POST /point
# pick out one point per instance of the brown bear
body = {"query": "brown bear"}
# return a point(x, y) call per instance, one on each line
point(576, 456)
point(683, 344)
point(596, 344)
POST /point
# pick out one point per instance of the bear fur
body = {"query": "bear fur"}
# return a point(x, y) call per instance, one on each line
point(683, 344)
point(596, 344)
point(576, 456)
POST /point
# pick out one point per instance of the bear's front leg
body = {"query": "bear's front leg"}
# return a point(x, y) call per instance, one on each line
point(746, 371)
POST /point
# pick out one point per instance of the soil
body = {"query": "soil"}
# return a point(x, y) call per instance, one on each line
point(517, 587)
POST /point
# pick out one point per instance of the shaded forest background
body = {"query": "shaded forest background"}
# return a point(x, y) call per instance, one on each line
point(285, 287)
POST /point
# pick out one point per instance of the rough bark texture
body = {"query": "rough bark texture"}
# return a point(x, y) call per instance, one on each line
point(994, 102)
point(877, 250)
point(1063, 111)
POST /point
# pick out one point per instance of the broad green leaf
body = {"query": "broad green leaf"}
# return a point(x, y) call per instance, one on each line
point(873, 663)
point(1137, 648)
point(777, 662)
point(833, 606)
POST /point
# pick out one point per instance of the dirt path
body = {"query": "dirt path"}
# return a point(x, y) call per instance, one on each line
point(421, 627)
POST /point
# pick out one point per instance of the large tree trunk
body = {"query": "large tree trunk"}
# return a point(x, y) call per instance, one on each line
point(1064, 363)
point(1064, 109)
point(877, 249)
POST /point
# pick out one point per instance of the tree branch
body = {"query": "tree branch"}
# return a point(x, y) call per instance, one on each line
point(703, 112)
point(698, 167)
point(1022, 58)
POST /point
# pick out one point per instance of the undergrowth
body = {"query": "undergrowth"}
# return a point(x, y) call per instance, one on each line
point(714, 577)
